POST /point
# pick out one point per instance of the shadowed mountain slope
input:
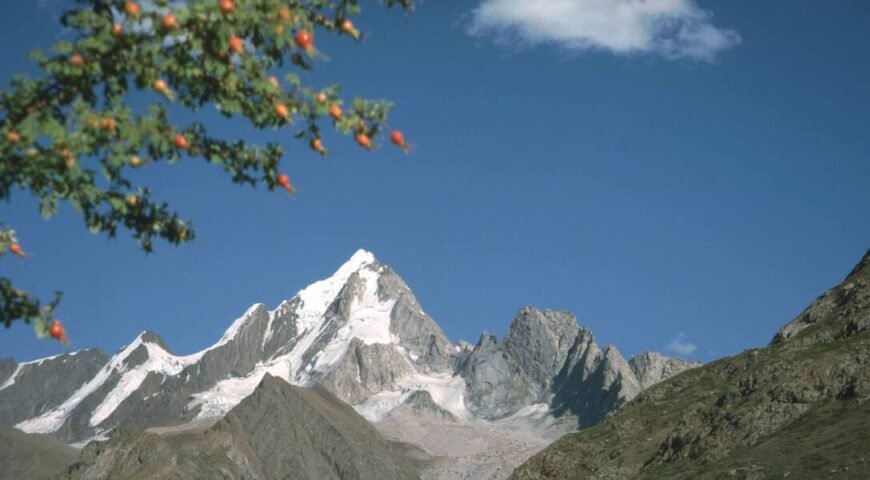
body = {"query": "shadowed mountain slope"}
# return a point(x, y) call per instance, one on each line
point(32, 456)
point(279, 432)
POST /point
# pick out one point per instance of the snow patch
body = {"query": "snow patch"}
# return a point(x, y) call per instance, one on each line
point(39, 361)
point(446, 390)
point(378, 405)
point(226, 394)
point(536, 417)
point(410, 356)
point(11, 380)
point(100, 436)
point(535, 410)
point(159, 361)
point(369, 316)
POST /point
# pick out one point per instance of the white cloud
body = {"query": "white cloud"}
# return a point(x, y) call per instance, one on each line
point(681, 345)
point(671, 28)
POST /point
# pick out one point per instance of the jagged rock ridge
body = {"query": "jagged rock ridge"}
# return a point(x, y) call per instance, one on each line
point(546, 357)
point(360, 334)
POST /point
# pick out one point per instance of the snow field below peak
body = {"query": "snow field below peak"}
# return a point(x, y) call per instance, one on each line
point(226, 394)
point(446, 390)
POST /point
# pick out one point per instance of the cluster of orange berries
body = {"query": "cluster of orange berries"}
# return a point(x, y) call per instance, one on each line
point(304, 40)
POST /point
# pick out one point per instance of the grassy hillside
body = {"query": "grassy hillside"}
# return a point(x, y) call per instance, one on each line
point(796, 409)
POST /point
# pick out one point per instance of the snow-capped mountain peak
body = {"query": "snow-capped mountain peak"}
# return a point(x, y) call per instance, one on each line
point(359, 333)
point(145, 355)
point(316, 328)
point(317, 297)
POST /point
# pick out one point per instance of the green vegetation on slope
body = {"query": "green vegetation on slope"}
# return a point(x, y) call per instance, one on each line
point(796, 409)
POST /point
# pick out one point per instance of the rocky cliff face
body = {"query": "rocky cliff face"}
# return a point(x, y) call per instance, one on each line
point(796, 409)
point(651, 368)
point(360, 334)
point(848, 300)
point(546, 357)
point(279, 431)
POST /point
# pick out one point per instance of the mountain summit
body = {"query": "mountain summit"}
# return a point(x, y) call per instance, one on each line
point(361, 335)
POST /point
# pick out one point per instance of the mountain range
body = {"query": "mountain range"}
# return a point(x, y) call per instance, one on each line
point(358, 337)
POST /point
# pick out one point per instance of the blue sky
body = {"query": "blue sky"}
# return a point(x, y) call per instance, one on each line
point(692, 182)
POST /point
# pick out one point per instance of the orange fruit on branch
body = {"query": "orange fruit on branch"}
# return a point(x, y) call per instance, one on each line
point(170, 21)
point(56, 330)
point(282, 111)
point(347, 27)
point(108, 124)
point(16, 250)
point(117, 29)
point(335, 111)
point(132, 9)
point(226, 6)
point(237, 45)
point(317, 145)
point(284, 182)
point(160, 86)
point(180, 142)
point(364, 140)
point(398, 140)
point(76, 60)
point(305, 40)
point(13, 137)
